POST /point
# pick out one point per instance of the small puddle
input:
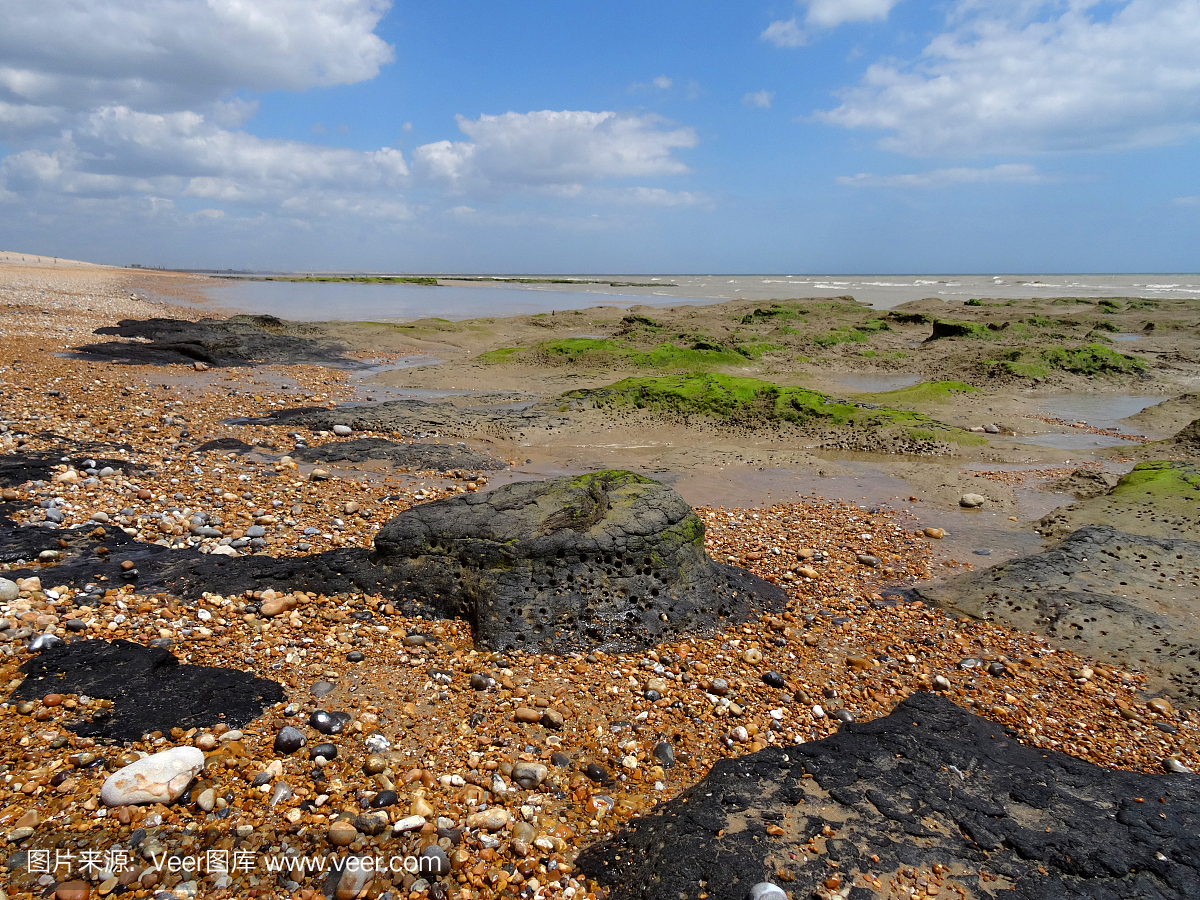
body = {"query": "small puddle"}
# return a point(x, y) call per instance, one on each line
point(1098, 410)
point(1125, 337)
point(876, 384)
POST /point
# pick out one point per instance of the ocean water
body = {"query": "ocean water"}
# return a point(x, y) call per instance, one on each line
point(453, 299)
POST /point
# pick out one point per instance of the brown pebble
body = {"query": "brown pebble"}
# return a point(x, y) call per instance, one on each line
point(52, 700)
point(525, 714)
point(72, 890)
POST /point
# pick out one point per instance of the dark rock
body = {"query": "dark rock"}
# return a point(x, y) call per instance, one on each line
point(329, 751)
point(237, 341)
point(596, 773)
point(225, 445)
point(289, 740)
point(665, 754)
point(38, 465)
point(608, 559)
point(415, 457)
point(329, 722)
point(480, 682)
point(433, 862)
point(355, 656)
point(384, 799)
point(887, 797)
point(560, 760)
point(773, 680)
point(150, 690)
point(321, 688)
point(1102, 593)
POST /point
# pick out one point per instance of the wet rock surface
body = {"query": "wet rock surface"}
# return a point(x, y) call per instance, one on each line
point(150, 689)
point(1102, 592)
point(238, 341)
point(608, 559)
point(928, 791)
point(421, 456)
point(33, 465)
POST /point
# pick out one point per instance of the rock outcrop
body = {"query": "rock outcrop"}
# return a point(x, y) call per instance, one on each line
point(417, 457)
point(607, 559)
point(930, 792)
point(1101, 592)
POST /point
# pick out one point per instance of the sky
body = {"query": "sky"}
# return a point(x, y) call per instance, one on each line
point(819, 136)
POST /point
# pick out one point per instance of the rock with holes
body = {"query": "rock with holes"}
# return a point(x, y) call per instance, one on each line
point(607, 559)
point(930, 786)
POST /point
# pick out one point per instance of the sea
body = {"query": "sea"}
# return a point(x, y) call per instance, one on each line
point(454, 298)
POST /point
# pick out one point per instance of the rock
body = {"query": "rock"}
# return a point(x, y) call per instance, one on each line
point(480, 682)
point(329, 722)
point(936, 533)
point(559, 760)
point(1170, 764)
point(289, 740)
point(527, 714)
point(1102, 593)
point(150, 689)
point(321, 688)
point(342, 430)
point(491, 819)
point(207, 799)
point(72, 890)
point(941, 683)
point(355, 877)
point(529, 775)
point(374, 764)
point(752, 655)
point(408, 823)
point(868, 560)
point(433, 862)
point(991, 428)
point(971, 501)
point(411, 456)
point(525, 551)
point(665, 754)
point(44, 642)
point(355, 656)
point(773, 680)
point(160, 778)
point(552, 718)
point(276, 605)
point(8, 591)
point(281, 793)
point(384, 799)
point(372, 823)
point(342, 833)
point(885, 797)
point(323, 751)
point(597, 773)
point(764, 890)
point(719, 687)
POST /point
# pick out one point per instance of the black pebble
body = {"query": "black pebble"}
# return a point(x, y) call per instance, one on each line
point(329, 751)
point(480, 682)
point(355, 656)
point(665, 754)
point(384, 798)
point(289, 740)
point(772, 679)
point(996, 669)
point(596, 773)
point(652, 695)
point(561, 760)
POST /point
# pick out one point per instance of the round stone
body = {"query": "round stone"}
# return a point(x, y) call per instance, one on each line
point(529, 775)
point(321, 688)
point(596, 773)
point(719, 686)
point(480, 682)
point(205, 742)
point(374, 764)
point(433, 862)
point(560, 760)
point(72, 890)
point(384, 799)
point(342, 430)
point(844, 716)
point(342, 833)
point(752, 655)
point(1170, 764)
point(652, 695)
point(8, 591)
point(355, 656)
point(326, 751)
point(289, 740)
point(996, 669)
point(665, 754)
point(45, 642)
point(971, 501)
point(773, 680)
point(941, 683)
point(764, 890)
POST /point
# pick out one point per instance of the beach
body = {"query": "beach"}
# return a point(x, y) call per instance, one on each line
point(867, 462)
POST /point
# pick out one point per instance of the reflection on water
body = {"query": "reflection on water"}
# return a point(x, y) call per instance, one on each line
point(1098, 410)
point(876, 384)
point(1077, 440)
point(1125, 337)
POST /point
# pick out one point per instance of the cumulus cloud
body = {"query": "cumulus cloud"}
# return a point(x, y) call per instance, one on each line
point(825, 14)
point(553, 148)
point(1039, 77)
point(171, 54)
point(116, 150)
point(1010, 173)
point(759, 99)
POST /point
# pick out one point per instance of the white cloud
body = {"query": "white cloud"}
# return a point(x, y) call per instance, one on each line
point(1010, 173)
point(169, 54)
point(785, 34)
point(117, 151)
point(554, 148)
point(831, 13)
point(759, 99)
point(1186, 201)
point(1035, 77)
point(825, 14)
point(662, 82)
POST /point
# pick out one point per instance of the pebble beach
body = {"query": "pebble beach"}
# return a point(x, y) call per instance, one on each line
point(396, 736)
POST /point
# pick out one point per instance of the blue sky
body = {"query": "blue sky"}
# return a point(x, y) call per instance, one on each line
point(819, 136)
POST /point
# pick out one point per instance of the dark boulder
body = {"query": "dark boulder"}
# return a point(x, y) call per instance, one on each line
point(418, 456)
point(608, 559)
point(930, 784)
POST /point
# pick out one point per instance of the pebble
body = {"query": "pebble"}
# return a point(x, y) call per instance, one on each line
point(560, 760)
point(665, 754)
point(72, 890)
point(492, 819)
point(719, 686)
point(281, 793)
point(374, 764)
point(529, 775)
point(936, 533)
point(941, 683)
point(207, 799)
point(409, 823)
point(433, 861)
point(867, 560)
point(289, 740)
point(8, 591)
point(329, 722)
point(971, 501)
point(596, 773)
point(384, 799)
point(773, 680)
point(160, 778)
point(342, 833)
point(764, 890)
point(373, 823)
point(324, 751)
point(996, 669)
point(752, 655)
point(355, 656)
point(342, 430)
point(480, 682)
point(552, 718)
point(1174, 766)
point(321, 688)
point(354, 878)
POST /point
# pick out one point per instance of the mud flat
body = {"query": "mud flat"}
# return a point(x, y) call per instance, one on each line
point(364, 581)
